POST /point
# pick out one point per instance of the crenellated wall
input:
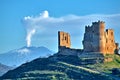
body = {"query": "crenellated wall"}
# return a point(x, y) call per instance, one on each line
point(98, 40)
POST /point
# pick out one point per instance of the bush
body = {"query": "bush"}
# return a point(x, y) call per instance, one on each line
point(116, 71)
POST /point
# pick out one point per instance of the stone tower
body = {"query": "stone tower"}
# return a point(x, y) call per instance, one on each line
point(63, 40)
point(110, 42)
point(101, 35)
point(96, 39)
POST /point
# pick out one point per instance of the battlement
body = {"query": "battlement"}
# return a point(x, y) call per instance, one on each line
point(109, 31)
point(99, 22)
point(88, 28)
point(96, 39)
point(97, 42)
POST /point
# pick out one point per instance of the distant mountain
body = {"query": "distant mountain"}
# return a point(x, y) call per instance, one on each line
point(56, 67)
point(4, 69)
point(19, 56)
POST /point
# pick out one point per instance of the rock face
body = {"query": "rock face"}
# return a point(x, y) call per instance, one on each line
point(98, 40)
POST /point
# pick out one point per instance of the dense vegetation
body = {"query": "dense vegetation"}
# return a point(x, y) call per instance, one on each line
point(107, 66)
point(110, 68)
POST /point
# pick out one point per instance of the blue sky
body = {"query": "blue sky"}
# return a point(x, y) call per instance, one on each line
point(14, 29)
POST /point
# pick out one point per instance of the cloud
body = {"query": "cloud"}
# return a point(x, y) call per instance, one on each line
point(46, 27)
point(45, 14)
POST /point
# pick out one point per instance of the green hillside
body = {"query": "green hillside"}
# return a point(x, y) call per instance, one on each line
point(54, 68)
point(107, 66)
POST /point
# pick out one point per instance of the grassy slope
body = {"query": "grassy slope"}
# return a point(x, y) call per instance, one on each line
point(107, 66)
point(50, 69)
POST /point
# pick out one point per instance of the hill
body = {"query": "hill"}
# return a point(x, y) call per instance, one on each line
point(56, 67)
point(107, 66)
point(4, 69)
point(19, 56)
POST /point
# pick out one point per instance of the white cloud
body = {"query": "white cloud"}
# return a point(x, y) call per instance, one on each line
point(45, 14)
point(28, 17)
point(46, 27)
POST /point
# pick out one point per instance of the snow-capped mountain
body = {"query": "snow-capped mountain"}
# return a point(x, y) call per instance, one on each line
point(18, 56)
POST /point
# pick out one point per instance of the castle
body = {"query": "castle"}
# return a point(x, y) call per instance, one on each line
point(64, 39)
point(96, 39)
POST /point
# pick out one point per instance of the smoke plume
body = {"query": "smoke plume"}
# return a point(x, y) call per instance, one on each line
point(29, 36)
point(31, 26)
point(44, 27)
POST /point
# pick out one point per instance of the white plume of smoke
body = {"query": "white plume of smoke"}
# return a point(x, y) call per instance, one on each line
point(29, 36)
point(31, 27)
point(48, 26)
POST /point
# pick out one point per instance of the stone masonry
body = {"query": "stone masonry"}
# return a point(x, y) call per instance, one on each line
point(98, 40)
point(85, 57)
point(96, 43)
point(64, 39)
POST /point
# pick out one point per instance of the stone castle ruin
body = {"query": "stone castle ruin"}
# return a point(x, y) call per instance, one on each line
point(64, 39)
point(96, 40)
point(64, 44)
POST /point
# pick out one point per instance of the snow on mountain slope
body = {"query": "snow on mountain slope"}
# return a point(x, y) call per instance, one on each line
point(18, 56)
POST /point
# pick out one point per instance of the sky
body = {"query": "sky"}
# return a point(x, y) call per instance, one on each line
point(36, 22)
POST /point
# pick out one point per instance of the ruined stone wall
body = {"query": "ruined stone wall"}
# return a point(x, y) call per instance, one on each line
point(91, 41)
point(69, 51)
point(63, 39)
point(98, 40)
point(87, 39)
point(102, 38)
point(110, 42)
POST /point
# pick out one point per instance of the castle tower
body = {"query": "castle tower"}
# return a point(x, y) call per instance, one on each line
point(88, 39)
point(63, 40)
point(110, 42)
point(98, 40)
point(101, 35)
point(94, 37)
